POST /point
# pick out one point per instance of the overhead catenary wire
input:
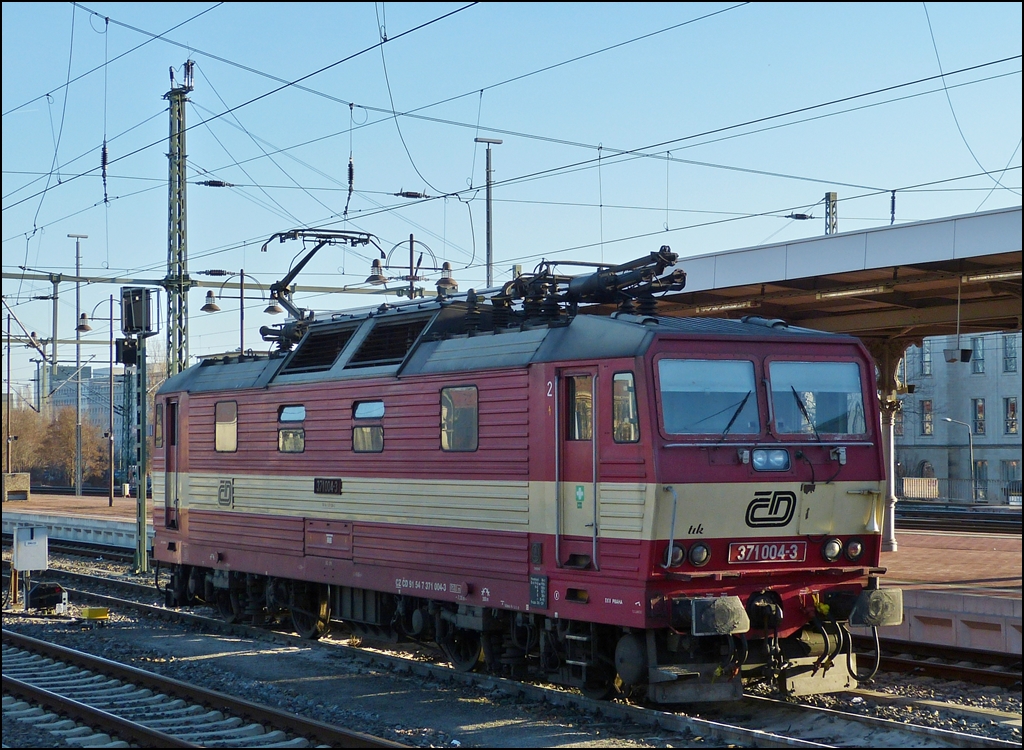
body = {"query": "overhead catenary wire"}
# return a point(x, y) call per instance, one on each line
point(264, 95)
point(687, 145)
point(296, 84)
point(393, 208)
point(949, 101)
point(835, 182)
point(152, 38)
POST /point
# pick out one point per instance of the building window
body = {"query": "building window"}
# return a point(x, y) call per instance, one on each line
point(926, 357)
point(980, 480)
point(291, 436)
point(1010, 415)
point(978, 354)
point(1010, 470)
point(978, 411)
point(368, 431)
point(1009, 354)
point(460, 415)
point(927, 426)
point(226, 426)
point(897, 423)
point(625, 419)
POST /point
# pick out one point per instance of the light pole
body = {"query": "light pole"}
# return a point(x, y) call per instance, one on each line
point(970, 442)
point(490, 237)
point(83, 325)
point(211, 300)
point(78, 362)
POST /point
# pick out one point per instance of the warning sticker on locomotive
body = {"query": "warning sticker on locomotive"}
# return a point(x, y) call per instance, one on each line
point(757, 552)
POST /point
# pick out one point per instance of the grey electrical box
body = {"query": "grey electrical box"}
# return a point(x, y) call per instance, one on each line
point(31, 548)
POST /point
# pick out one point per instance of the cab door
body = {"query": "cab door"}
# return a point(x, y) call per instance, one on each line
point(172, 482)
point(577, 481)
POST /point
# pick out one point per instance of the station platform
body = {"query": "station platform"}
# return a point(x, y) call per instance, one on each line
point(961, 589)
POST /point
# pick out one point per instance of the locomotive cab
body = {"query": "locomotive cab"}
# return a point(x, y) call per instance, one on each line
point(770, 479)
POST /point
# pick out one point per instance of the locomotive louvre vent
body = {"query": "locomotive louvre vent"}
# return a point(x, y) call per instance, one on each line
point(319, 351)
point(388, 343)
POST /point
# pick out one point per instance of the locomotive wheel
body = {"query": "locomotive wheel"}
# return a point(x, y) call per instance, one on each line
point(229, 606)
point(311, 617)
point(600, 688)
point(462, 648)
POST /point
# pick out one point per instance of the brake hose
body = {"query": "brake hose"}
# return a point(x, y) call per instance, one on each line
point(849, 655)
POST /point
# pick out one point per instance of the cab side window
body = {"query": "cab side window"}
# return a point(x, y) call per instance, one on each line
point(460, 417)
point(625, 417)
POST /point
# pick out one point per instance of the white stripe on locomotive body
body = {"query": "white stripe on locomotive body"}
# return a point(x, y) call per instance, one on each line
point(637, 511)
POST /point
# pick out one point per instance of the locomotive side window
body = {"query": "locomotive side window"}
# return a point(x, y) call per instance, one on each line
point(580, 401)
point(368, 438)
point(817, 397)
point(625, 419)
point(368, 410)
point(158, 426)
point(459, 419)
point(708, 396)
point(291, 413)
point(226, 426)
point(291, 439)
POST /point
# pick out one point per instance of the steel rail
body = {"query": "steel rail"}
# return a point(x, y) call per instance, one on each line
point(94, 718)
point(666, 719)
point(998, 670)
point(323, 733)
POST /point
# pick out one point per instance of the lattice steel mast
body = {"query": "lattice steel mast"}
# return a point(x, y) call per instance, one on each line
point(177, 282)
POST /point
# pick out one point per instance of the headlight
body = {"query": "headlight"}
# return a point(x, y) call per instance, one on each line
point(674, 555)
point(854, 549)
point(699, 555)
point(770, 460)
point(832, 549)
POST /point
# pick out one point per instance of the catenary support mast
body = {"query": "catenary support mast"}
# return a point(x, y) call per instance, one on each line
point(177, 282)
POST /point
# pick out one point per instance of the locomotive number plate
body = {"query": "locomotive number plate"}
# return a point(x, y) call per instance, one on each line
point(744, 552)
point(327, 486)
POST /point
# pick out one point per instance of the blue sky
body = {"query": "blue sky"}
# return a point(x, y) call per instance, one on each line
point(625, 127)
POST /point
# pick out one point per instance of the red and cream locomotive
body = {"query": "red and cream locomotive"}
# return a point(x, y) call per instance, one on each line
point(540, 486)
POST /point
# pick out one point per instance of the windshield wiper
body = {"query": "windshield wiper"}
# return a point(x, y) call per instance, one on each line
point(803, 410)
point(735, 414)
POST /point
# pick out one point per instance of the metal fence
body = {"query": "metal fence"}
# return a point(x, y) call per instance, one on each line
point(989, 491)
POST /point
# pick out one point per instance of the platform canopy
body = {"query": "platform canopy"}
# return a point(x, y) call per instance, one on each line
point(899, 282)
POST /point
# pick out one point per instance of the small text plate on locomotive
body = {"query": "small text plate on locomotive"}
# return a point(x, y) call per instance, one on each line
point(740, 552)
point(327, 486)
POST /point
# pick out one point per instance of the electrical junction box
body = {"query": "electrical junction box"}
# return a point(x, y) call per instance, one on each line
point(31, 548)
point(49, 596)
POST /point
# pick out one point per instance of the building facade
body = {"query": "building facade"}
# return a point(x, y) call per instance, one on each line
point(966, 399)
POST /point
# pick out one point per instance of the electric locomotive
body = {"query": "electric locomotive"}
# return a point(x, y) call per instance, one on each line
point(549, 481)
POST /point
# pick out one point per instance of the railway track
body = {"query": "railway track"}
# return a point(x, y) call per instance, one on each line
point(947, 662)
point(924, 659)
point(754, 721)
point(962, 518)
point(145, 708)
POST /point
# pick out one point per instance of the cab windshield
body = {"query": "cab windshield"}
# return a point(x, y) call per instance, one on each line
point(814, 398)
point(708, 396)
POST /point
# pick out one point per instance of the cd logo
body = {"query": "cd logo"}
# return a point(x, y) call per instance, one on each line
point(770, 509)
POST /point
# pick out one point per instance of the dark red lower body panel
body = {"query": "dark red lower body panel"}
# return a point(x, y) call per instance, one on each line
point(486, 568)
